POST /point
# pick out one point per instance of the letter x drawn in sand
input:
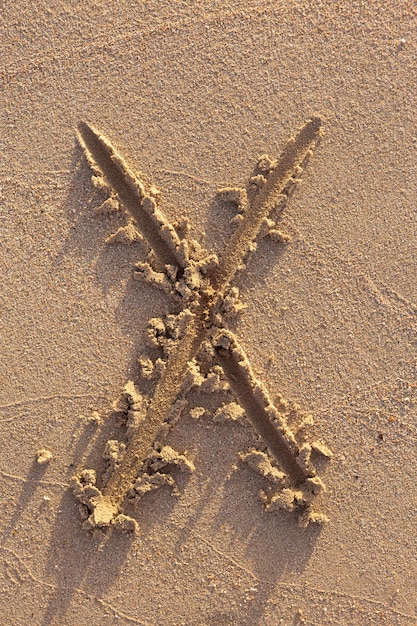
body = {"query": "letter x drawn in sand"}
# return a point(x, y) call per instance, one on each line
point(196, 335)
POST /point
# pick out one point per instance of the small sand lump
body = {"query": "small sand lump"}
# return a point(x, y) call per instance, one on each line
point(43, 456)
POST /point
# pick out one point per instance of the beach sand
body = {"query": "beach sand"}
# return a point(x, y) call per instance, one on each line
point(191, 95)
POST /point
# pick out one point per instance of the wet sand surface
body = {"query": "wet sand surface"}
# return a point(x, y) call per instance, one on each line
point(192, 96)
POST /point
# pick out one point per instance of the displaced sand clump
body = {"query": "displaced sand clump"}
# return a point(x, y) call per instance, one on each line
point(43, 457)
point(97, 510)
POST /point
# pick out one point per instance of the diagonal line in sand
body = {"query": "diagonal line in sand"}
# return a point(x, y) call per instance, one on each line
point(213, 280)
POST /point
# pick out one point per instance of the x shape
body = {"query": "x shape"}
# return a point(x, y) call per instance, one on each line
point(202, 283)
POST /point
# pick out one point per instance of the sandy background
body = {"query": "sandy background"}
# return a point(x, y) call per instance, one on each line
point(191, 96)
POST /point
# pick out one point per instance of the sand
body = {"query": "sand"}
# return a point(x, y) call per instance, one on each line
point(191, 96)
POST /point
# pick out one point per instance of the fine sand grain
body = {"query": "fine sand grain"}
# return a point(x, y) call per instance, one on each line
point(192, 95)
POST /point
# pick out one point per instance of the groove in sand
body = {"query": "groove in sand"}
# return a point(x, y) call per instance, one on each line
point(258, 408)
point(102, 156)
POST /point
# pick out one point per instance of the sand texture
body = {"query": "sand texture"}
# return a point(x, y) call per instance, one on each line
point(209, 302)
